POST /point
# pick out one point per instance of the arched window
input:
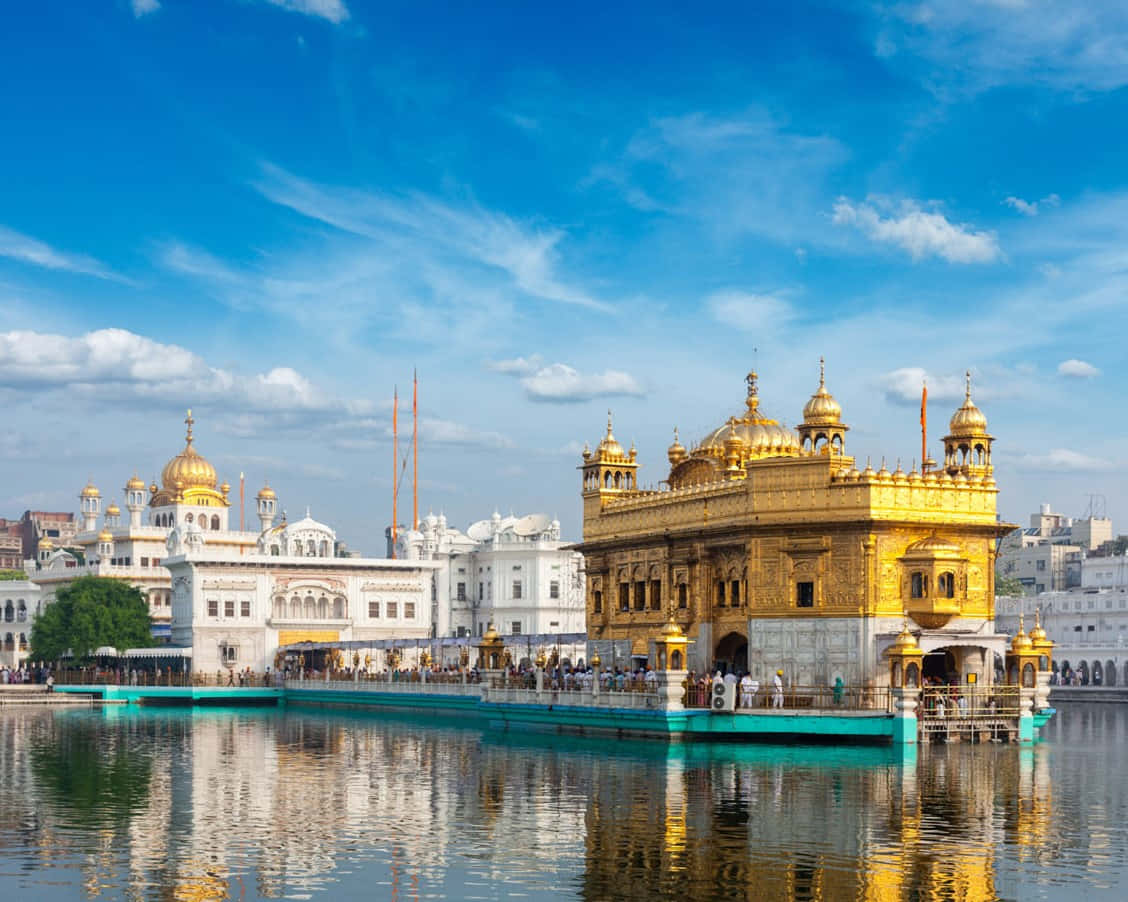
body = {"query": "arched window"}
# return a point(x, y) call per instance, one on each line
point(275, 551)
point(21, 610)
point(323, 549)
point(919, 585)
point(280, 607)
point(188, 518)
point(618, 480)
point(323, 608)
point(9, 612)
point(297, 549)
point(295, 608)
point(23, 641)
point(607, 480)
point(310, 608)
point(215, 521)
point(676, 659)
point(339, 608)
point(1028, 675)
point(311, 549)
point(946, 585)
point(912, 675)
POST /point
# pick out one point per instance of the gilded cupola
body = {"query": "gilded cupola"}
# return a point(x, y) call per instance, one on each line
point(189, 478)
point(676, 452)
point(759, 436)
point(967, 447)
point(609, 468)
point(822, 430)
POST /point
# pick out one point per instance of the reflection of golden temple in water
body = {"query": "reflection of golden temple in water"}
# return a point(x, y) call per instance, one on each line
point(293, 804)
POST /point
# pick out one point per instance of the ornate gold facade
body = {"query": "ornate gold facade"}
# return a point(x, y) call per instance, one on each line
point(759, 524)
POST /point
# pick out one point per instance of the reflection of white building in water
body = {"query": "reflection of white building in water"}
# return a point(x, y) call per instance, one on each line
point(1089, 624)
point(514, 572)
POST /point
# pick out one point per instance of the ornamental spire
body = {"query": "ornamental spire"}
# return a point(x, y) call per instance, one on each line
point(188, 419)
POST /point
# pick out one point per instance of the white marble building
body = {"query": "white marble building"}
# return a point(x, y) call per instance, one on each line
point(235, 610)
point(514, 572)
point(19, 604)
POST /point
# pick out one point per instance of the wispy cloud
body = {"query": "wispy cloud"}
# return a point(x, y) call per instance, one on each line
point(1030, 208)
point(1063, 459)
point(903, 386)
point(433, 229)
point(144, 7)
point(962, 46)
point(520, 366)
point(333, 11)
point(1077, 369)
point(25, 249)
point(920, 232)
point(760, 313)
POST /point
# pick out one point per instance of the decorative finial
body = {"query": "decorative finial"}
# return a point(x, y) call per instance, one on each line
point(822, 373)
point(750, 379)
point(307, 512)
point(967, 393)
point(1037, 619)
point(676, 435)
point(188, 419)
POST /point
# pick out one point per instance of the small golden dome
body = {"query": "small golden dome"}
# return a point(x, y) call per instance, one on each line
point(905, 641)
point(609, 445)
point(1038, 635)
point(153, 487)
point(266, 492)
point(113, 510)
point(105, 536)
point(225, 487)
point(671, 630)
point(491, 634)
point(969, 419)
point(46, 543)
point(135, 482)
point(822, 409)
point(90, 491)
point(676, 452)
point(760, 435)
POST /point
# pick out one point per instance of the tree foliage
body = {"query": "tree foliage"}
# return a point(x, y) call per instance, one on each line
point(6, 575)
point(91, 612)
point(1008, 585)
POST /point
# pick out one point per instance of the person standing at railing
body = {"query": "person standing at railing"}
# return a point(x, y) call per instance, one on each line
point(748, 689)
point(777, 684)
point(839, 686)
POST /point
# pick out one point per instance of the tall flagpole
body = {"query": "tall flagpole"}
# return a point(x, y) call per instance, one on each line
point(242, 500)
point(924, 427)
point(415, 449)
point(395, 466)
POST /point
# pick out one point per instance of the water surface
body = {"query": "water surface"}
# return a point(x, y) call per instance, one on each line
point(208, 804)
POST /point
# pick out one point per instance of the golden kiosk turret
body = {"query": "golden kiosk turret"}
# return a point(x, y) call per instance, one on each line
point(905, 658)
point(1022, 659)
point(491, 650)
point(1042, 645)
point(670, 647)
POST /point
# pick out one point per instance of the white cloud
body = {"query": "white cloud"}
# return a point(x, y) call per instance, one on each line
point(1063, 459)
point(903, 386)
point(759, 313)
point(115, 363)
point(30, 250)
point(144, 7)
point(521, 366)
point(1077, 369)
point(333, 11)
point(561, 383)
point(921, 233)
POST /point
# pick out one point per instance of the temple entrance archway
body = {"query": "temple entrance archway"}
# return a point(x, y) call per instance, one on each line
point(939, 666)
point(731, 653)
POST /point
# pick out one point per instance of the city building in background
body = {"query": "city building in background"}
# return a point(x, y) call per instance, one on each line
point(1046, 556)
point(19, 604)
point(772, 550)
point(513, 572)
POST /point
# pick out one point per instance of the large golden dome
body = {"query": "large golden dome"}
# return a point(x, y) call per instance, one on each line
point(188, 474)
point(760, 436)
point(969, 419)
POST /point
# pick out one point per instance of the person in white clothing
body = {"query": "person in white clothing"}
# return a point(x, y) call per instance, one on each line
point(748, 687)
point(777, 683)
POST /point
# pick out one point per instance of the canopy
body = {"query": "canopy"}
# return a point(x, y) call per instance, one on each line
point(525, 639)
point(105, 651)
point(160, 651)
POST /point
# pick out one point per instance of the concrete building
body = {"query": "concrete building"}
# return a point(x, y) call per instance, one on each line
point(772, 550)
point(1046, 556)
point(514, 572)
point(11, 545)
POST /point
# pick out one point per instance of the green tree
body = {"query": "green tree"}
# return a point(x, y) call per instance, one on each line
point(1008, 585)
point(12, 575)
point(91, 612)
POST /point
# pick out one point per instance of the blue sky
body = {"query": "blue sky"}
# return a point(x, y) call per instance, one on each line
point(273, 210)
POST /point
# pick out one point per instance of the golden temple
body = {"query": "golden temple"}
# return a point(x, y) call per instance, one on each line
point(773, 550)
